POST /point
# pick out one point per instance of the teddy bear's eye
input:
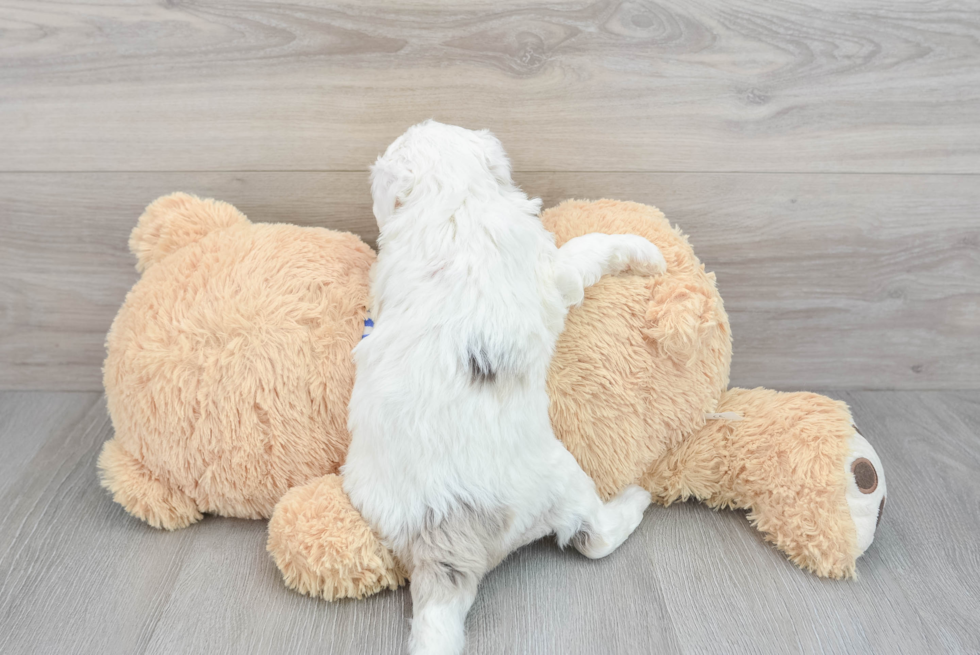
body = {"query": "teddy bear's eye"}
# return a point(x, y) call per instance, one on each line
point(865, 475)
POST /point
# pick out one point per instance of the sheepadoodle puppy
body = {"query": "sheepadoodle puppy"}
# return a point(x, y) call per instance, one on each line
point(453, 460)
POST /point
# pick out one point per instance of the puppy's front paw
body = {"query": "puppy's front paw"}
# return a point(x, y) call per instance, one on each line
point(639, 256)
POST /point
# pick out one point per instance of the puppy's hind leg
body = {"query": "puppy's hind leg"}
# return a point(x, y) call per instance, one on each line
point(448, 559)
point(593, 527)
point(441, 598)
point(612, 523)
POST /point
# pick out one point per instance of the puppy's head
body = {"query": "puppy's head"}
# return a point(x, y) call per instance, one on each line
point(432, 161)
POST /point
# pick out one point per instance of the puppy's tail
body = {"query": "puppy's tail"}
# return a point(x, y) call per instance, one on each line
point(171, 222)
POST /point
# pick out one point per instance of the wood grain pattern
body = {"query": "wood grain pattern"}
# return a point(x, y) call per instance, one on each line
point(35, 418)
point(78, 575)
point(832, 281)
point(835, 86)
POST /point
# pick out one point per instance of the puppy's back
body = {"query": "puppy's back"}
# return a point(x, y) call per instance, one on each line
point(451, 381)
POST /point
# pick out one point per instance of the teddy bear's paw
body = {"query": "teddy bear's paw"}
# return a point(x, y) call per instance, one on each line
point(141, 492)
point(324, 548)
point(866, 490)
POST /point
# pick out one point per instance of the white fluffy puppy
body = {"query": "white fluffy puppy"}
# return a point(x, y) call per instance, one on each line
point(452, 459)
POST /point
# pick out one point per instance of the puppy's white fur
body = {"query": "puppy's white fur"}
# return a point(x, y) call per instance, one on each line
point(453, 460)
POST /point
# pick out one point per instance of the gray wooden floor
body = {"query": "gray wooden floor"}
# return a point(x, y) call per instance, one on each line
point(78, 575)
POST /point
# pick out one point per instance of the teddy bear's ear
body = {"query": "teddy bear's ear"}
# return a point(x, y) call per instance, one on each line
point(171, 222)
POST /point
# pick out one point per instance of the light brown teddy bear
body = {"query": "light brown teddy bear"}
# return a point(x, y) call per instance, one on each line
point(229, 371)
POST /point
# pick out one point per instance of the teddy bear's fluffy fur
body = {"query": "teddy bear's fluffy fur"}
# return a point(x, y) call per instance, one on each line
point(229, 371)
point(230, 387)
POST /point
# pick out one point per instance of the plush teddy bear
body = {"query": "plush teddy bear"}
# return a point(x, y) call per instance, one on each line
point(228, 373)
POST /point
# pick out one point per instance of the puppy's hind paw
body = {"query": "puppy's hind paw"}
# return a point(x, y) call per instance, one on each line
point(632, 502)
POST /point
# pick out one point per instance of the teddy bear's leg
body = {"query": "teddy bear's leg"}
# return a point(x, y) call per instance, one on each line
point(141, 493)
point(866, 490)
point(812, 484)
point(323, 546)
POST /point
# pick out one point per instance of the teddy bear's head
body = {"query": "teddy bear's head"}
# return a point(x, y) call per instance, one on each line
point(228, 367)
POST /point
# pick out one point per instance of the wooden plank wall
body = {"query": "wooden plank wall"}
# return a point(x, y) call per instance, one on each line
point(824, 157)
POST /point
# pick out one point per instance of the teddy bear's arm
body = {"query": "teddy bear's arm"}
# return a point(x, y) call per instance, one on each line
point(323, 546)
